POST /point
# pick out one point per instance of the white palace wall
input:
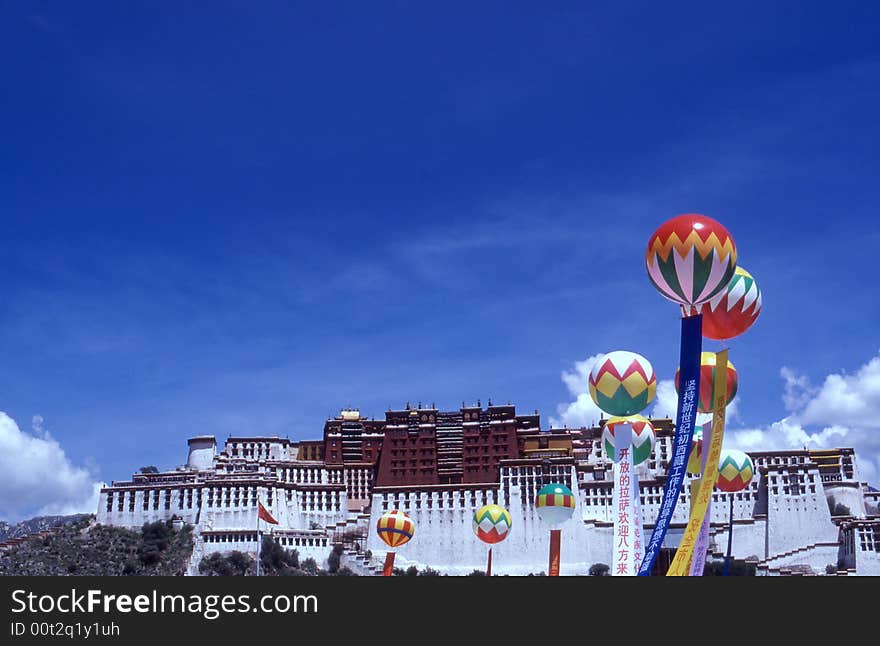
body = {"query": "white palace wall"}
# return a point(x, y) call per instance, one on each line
point(781, 518)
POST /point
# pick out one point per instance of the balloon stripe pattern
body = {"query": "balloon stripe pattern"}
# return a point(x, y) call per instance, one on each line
point(622, 383)
point(642, 437)
point(708, 391)
point(733, 311)
point(690, 259)
point(395, 528)
point(735, 470)
point(555, 504)
point(492, 523)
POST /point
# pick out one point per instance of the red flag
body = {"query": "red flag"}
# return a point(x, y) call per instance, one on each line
point(265, 515)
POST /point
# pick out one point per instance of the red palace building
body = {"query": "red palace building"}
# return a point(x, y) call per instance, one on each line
point(425, 446)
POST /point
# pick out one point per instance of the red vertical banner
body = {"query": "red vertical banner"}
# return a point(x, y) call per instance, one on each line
point(489, 565)
point(555, 541)
point(389, 564)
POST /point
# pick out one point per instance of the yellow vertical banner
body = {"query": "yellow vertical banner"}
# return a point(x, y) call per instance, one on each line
point(681, 562)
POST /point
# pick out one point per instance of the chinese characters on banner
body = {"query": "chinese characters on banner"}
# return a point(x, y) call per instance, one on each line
point(639, 537)
point(681, 563)
point(689, 366)
point(698, 560)
point(626, 553)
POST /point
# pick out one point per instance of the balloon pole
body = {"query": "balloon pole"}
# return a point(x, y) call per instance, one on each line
point(489, 565)
point(555, 541)
point(689, 395)
point(389, 564)
point(729, 538)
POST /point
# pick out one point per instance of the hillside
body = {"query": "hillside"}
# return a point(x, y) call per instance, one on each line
point(82, 548)
point(34, 525)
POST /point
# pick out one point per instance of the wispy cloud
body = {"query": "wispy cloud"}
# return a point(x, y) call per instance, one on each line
point(843, 411)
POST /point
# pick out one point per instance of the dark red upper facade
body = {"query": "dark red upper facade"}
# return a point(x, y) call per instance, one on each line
point(425, 446)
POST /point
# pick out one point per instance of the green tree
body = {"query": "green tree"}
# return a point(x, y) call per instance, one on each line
point(334, 558)
point(233, 564)
point(309, 566)
point(274, 559)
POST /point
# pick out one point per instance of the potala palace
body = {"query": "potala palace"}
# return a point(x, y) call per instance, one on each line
point(440, 466)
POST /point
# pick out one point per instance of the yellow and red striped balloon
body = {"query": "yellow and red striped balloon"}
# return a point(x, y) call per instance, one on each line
point(708, 380)
point(395, 528)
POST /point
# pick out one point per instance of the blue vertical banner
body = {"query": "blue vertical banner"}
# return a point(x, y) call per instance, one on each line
point(686, 415)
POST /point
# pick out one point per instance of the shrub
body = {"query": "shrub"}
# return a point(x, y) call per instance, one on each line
point(599, 569)
point(838, 509)
point(234, 564)
point(274, 559)
point(309, 566)
point(334, 558)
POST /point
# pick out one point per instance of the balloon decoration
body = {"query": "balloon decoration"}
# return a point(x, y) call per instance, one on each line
point(491, 525)
point(642, 437)
point(731, 312)
point(395, 528)
point(554, 505)
point(735, 471)
point(690, 259)
point(708, 379)
point(622, 383)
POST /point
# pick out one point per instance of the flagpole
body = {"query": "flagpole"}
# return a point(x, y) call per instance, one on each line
point(729, 538)
point(259, 538)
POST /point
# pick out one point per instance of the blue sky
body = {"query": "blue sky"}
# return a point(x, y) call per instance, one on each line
point(240, 220)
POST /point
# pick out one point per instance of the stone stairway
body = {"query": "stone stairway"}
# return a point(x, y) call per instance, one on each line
point(192, 568)
point(352, 535)
point(800, 550)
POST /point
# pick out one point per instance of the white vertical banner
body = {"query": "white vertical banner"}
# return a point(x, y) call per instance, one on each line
point(624, 559)
point(698, 561)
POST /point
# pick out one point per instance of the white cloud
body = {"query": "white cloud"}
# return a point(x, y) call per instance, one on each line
point(843, 412)
point(666, 399)
point(852, 400)
point(38, 477)
point(583, 410)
